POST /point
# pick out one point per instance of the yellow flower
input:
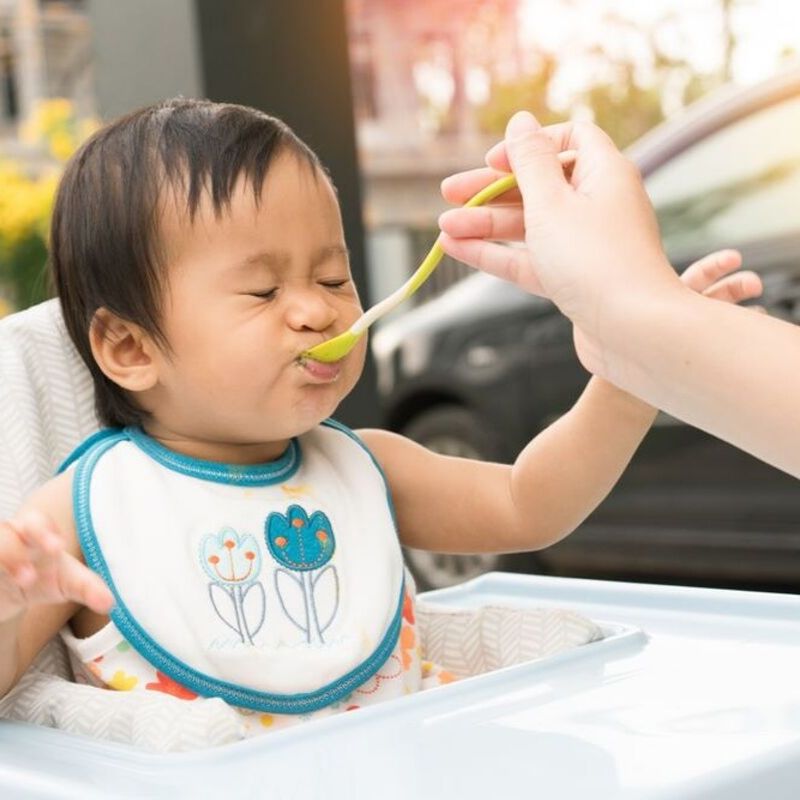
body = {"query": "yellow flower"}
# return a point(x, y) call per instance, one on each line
point(86, 127)
point(55, 125)
point(62, 145)
point(25, 205)
point(26, 200)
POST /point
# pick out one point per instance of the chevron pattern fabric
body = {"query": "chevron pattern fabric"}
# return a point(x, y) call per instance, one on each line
point(46, 399)
point(46, 409)
point(472, 642)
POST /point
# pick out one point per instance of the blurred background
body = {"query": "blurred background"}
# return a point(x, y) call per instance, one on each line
point(396, 94)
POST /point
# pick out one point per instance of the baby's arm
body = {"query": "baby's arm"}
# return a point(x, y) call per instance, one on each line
point(456, 505)
point(42, 580)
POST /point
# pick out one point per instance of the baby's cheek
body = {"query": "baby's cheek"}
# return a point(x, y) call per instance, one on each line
point(358, 357)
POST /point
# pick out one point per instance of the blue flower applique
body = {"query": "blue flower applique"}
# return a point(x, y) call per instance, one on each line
point(306, 584)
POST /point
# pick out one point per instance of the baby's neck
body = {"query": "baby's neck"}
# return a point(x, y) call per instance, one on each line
point(208, 449)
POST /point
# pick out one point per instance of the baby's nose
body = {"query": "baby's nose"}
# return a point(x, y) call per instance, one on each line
point(310, 310)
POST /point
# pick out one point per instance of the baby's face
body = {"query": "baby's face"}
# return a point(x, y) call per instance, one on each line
point(248, 293)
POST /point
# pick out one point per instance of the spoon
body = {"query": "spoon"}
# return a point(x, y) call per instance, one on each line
point(339, 346)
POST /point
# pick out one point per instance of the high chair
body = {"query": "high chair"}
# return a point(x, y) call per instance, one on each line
point(687, 693)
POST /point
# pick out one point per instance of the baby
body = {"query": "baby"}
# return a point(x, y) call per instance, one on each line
point(223, 537)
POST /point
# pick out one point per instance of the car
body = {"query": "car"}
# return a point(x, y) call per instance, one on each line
point(482, 368)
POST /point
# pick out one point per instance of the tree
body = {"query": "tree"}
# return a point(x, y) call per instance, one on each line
point(529, 92)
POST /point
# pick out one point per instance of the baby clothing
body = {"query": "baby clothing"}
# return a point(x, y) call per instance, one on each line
point(106, 660)
point(278, 587)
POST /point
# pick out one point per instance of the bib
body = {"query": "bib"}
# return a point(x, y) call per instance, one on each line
point(277, 587)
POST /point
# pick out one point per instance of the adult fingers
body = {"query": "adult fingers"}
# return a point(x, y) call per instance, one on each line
point(462, 186)
point(561, 134)
point(533, 154)
point(502, 223)
point(459, 188)
point(582, 146)
point(509, 263)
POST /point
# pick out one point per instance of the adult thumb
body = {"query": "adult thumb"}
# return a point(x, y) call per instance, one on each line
point(533, 157)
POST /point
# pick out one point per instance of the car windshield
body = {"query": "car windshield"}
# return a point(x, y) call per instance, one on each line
point(738, 185)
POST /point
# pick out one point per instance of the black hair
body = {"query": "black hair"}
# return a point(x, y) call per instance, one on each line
point(105, 248)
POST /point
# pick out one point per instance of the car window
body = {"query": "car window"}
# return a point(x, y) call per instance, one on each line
point(738, 185)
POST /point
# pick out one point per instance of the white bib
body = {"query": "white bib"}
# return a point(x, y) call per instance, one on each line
point(277, 587)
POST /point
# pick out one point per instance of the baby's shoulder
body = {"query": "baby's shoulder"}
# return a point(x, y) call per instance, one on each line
point(397, 455)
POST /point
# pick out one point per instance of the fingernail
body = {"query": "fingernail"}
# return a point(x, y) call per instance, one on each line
point(445, 217)
point(521, 124)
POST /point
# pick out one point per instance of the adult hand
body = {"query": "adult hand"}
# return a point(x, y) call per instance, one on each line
point(593, 247)
point(591, 235)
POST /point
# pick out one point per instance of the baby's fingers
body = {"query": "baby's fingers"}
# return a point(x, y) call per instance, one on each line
point(38, 533)
point(708, 270)
point(736, 288)
point(79, 584)
point(25, 541)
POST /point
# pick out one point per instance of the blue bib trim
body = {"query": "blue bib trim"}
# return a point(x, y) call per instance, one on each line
point(160, 658)
point(86, 445)
point(338, 426)
point(239, 475)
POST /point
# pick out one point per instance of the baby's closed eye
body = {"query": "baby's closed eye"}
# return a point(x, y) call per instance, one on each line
point(335, 284)
point(266, 294)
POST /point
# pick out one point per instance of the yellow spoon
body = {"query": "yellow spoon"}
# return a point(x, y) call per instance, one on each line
point(338, 347)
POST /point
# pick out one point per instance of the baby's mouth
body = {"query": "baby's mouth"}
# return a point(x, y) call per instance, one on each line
point(320, 370)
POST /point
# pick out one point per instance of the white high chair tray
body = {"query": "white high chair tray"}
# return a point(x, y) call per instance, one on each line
point(694, 693)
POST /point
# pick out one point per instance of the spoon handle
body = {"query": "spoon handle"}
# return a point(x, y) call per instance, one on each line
point(339, 346)
point(430, 262)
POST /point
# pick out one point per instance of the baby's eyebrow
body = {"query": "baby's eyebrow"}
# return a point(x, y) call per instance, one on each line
point(266, 258)
point(331, 251)
point(278, 259)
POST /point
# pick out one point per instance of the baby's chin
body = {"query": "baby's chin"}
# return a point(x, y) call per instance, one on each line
point(302, 420)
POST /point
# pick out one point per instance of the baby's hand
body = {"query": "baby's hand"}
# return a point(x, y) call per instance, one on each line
point(711, 276)
point(35, 569)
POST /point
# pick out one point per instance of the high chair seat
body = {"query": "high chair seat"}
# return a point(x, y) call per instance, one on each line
point(46, 399)
point(46, 409)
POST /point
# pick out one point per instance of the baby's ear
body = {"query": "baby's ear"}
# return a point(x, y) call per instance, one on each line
point(124, 352)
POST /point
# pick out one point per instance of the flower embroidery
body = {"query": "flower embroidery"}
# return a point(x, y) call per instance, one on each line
point(408, 640)
point(408, 636)
point(391, 669)
point(230, 559)
point(408, 609)
point(300, 542)
point(233, 563)
point(123, 682)
point(168, 686)
point(306, 584)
